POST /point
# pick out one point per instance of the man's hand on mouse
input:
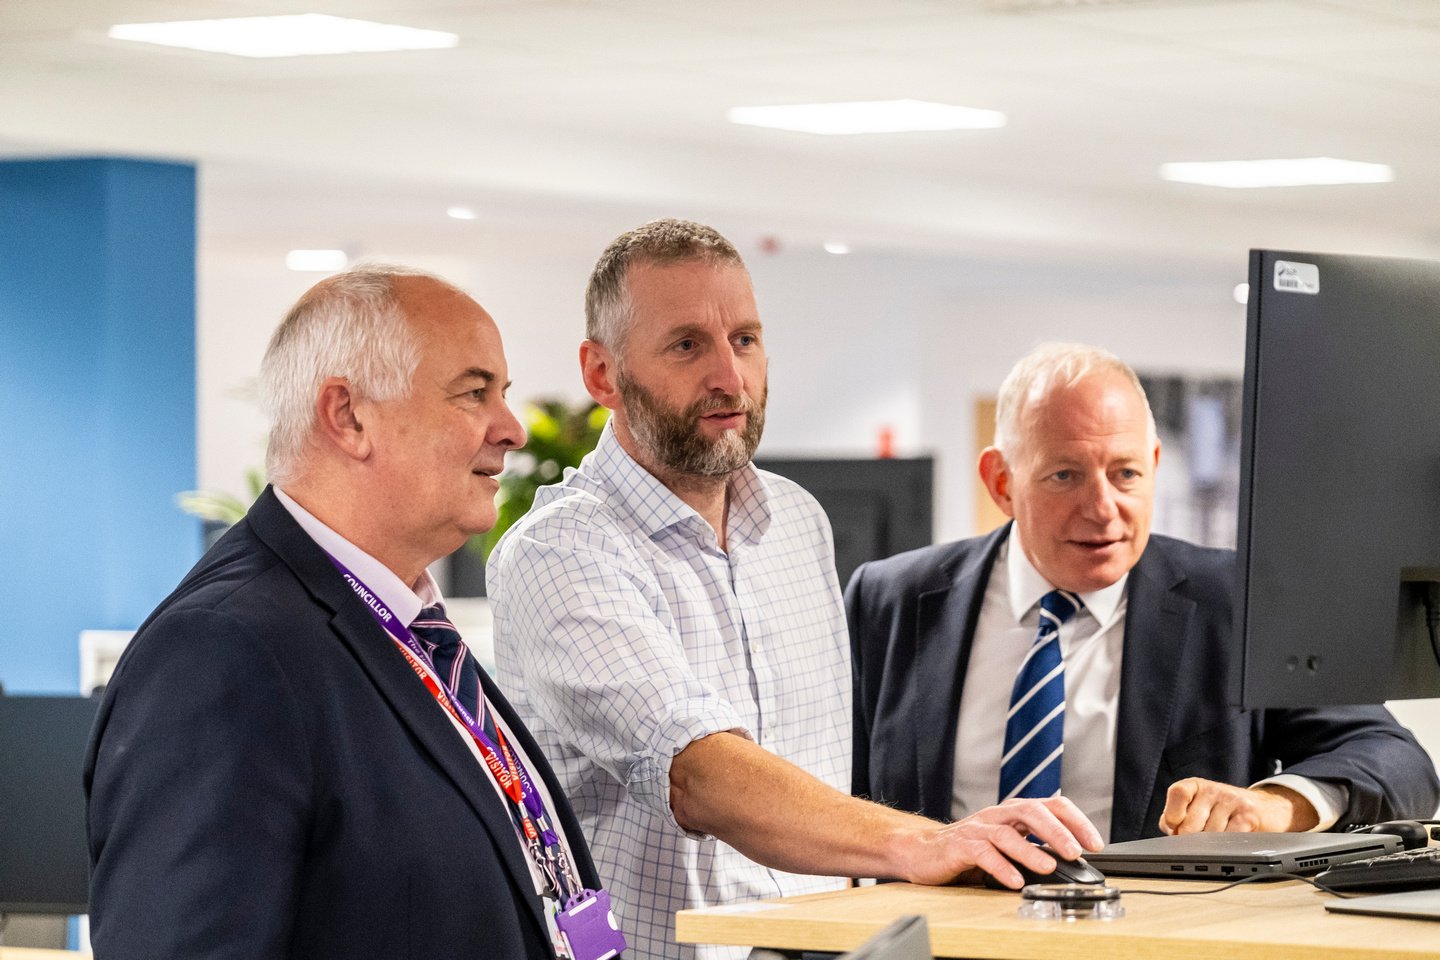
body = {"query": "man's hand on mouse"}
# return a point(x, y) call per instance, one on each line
point(1195, 805)
point(990, 838)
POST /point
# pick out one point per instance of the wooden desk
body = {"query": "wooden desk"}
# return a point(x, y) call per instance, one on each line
point(1261, 921)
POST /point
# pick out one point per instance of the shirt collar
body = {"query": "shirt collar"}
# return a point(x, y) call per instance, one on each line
point(1027, 586)
point(400, 599)
point(655, 507)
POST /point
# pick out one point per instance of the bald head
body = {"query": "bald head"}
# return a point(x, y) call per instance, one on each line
point(1074, 464)
point(351, 325)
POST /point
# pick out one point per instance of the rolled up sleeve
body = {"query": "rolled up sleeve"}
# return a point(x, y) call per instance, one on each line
point(589, 632)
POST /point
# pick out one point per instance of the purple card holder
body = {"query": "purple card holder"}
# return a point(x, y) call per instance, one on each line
point(589, 927)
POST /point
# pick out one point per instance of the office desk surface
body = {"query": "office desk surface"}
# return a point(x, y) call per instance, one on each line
point(1258, 921)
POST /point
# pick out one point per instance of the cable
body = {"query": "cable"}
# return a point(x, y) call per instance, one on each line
point(1235, 883)
point(1432, 616)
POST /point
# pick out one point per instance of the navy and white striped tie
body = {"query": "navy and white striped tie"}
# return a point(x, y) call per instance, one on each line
point(1035, 725)
point(452, 660)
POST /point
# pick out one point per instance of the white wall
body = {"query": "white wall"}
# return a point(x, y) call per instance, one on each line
point(855, 343)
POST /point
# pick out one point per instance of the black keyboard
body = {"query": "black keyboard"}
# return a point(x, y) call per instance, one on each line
point(1409, 868)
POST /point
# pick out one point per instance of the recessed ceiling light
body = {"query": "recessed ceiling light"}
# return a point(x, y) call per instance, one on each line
point(871, 116)
point(317, 261)
point(1304, 172)
point(836, 247)
point(296, 35)
point(460, 213)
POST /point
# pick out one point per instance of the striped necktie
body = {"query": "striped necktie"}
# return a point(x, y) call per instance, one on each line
point(1035, 725)
point(453, 663)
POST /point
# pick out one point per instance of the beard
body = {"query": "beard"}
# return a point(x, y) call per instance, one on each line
point(673, 438)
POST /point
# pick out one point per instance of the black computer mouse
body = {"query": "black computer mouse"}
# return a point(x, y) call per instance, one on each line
point(1066, 871)
point(1412, 833)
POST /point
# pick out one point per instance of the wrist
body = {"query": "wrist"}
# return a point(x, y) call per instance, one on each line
point(1289, 811)
point(907, 847)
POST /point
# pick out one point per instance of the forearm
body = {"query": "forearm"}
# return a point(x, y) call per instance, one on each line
point(777, 814)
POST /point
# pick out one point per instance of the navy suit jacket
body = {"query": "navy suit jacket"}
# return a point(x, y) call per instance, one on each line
point(268, 779)
point(912, 618)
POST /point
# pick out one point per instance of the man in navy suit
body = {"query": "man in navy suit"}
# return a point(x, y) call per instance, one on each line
point(279, 768)
point(1145, 740)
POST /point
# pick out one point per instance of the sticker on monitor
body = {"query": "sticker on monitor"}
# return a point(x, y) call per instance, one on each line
point(1292, 277)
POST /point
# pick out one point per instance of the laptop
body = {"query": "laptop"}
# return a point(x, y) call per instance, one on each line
point(1412, 905)
point(1215, 856)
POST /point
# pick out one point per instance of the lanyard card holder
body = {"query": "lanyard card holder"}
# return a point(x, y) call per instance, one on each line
point(589, 927)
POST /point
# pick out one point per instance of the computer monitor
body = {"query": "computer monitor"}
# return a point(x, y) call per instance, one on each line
point(44, 861)
point(877, 508)
point(1339, 513)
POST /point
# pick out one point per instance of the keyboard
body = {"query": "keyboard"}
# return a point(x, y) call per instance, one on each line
point(1416, 868)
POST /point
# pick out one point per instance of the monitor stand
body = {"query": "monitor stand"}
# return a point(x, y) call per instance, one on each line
point(1411, 905)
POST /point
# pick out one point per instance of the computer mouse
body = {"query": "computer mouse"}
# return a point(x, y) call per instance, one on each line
point(1066, 871)
point(1412, 833)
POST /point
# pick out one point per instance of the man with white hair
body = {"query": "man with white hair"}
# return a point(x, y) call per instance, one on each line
point(297, 757)
point(1070, 652)
point(668, 621)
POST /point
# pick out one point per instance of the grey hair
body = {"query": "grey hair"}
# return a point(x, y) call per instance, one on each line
point(350, 325)
point(607, 295)
point(1048, 366)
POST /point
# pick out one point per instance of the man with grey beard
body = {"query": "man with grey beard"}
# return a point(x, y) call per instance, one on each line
point(669, 625)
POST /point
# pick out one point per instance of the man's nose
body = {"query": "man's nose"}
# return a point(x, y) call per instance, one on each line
point(724, 374)
point(507, 430)
point(1100, 505)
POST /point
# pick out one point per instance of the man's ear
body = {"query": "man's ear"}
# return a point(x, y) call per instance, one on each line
point(995, 474)
point(338, 418)
point(598, 368)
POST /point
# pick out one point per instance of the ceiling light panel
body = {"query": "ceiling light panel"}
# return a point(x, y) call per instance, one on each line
point(1302, 172)
point(317, 261)
point(869, 116)
point(299, 35)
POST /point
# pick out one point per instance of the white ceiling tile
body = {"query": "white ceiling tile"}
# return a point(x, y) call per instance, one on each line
point(1168, 22)
point(559, 107)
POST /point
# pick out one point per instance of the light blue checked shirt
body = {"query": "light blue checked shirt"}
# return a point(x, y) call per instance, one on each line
point(623, 632)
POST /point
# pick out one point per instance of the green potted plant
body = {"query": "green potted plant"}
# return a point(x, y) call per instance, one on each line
point(219, 510)
point(560, 434)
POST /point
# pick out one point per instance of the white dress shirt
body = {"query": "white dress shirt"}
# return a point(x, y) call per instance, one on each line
point(1092, 646)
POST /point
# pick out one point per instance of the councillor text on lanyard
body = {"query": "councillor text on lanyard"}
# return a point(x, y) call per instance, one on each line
point(526, 807)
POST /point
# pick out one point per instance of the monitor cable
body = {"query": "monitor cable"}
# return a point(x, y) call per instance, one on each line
point(1432, 616)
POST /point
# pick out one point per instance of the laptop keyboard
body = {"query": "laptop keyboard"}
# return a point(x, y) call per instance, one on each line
point(1409, 868)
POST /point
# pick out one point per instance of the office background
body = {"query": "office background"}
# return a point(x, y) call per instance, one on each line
point(559, 123)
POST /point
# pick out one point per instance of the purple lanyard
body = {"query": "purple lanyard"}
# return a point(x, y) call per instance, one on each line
point(500, 759)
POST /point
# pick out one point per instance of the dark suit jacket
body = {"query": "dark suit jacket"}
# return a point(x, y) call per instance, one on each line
point(912, 618)
point(268, 779)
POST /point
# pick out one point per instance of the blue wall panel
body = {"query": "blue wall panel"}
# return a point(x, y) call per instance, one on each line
point(97, 403)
